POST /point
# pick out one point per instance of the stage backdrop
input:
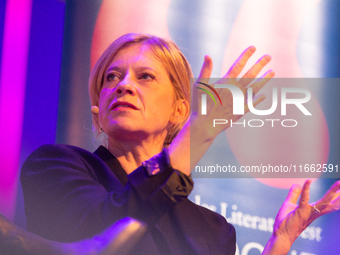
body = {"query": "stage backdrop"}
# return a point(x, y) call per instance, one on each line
point(65, 39)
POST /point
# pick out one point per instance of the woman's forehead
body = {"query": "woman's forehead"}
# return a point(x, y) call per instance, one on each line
point(136, 54)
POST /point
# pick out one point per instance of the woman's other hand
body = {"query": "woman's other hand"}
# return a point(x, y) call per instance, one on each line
point(292, 219)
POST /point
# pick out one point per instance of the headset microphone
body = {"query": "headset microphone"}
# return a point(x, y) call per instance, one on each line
point(95, 110)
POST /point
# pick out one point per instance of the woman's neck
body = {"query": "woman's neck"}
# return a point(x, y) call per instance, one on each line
point(131, 154)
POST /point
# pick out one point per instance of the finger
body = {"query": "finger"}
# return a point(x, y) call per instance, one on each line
point(257, 67)
point(263, 81)
point(239, 64)
point(305, 194)
point(293, 194)
point(258, 99)
point(206, 70)
point(203, 78)
point(331, 193)
point(253, 100)
point(252, 73)
point(336, 201)
point(256, 87)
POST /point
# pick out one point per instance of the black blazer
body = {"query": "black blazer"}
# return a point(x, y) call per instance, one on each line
point(72, 194)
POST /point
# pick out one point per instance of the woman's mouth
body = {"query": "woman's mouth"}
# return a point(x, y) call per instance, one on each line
point(123, 105)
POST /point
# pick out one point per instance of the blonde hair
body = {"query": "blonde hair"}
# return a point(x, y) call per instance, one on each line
point(166, 52)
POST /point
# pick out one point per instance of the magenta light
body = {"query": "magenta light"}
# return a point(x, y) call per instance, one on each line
point(12, 98)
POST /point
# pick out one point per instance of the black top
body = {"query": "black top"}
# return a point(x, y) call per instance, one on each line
point(72, 194)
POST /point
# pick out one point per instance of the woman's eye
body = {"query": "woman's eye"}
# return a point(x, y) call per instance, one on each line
point(147, 76)
point(111, 77)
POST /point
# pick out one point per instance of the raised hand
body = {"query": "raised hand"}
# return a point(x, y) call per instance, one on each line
point(225, 111)
point(198, 134)
point(292, 219)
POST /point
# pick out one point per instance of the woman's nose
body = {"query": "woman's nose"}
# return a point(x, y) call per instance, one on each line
point(125, 86)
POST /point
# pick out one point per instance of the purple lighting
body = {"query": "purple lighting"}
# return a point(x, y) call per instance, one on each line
point(12, 97)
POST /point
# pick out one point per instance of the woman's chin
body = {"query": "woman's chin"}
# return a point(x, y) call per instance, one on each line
point(127, 133)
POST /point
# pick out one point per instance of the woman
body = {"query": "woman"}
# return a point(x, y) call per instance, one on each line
point(140, 89)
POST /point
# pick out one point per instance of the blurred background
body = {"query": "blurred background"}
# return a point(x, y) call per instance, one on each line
point(48, 48)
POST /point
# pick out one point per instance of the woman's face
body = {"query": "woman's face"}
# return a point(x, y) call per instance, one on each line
point(137, 99)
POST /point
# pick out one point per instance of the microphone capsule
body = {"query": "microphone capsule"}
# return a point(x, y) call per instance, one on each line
point(95, 110)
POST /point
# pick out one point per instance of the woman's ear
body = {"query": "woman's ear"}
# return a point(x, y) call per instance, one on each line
point(181, 112)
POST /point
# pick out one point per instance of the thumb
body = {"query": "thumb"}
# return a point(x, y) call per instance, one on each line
point(203, 78)
point(206, 69)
